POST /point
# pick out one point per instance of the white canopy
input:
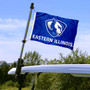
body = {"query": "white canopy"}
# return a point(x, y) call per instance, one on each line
point(79, 70)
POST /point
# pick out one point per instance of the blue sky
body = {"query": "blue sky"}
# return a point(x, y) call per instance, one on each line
point(13, 19)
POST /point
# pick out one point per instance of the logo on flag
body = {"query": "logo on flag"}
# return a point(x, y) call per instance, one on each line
point(54, 30)
point(55, 27)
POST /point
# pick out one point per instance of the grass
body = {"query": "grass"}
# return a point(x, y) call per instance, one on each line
point(10, 85)
point(13, 88)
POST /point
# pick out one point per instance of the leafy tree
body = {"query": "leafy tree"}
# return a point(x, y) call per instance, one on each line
point(75, 57)
point(13, 65)
point(44, 62)
point(32, 58)
point(4, 73)
point(55, 61)
point(88, 60)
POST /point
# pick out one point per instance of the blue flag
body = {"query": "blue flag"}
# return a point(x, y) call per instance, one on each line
point(54, 30)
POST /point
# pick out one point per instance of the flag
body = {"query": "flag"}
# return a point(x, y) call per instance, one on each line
point(54, 30)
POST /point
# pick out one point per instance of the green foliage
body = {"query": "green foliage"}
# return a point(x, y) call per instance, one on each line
point(75, 57)
point(16, 84)
point(13, 65)
point(32, 58)
point(44, 81)
point(4, 74)
point(9, 83)
point(55, 61)
point(44, 62)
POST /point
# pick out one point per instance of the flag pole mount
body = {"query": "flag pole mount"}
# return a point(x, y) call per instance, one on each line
point(20, 60)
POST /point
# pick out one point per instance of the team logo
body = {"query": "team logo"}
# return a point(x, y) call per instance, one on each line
point(55, 27)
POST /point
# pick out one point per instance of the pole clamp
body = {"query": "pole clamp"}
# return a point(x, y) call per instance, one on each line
point(24, 41)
